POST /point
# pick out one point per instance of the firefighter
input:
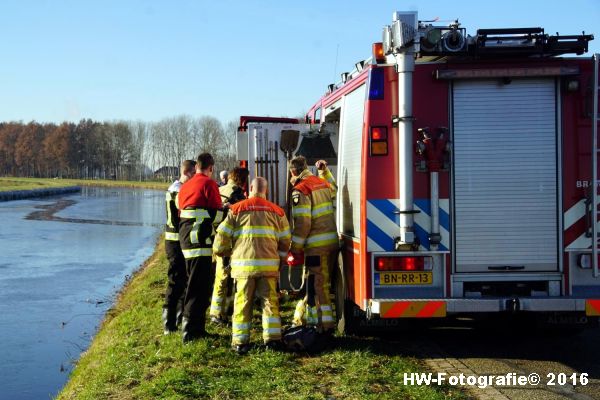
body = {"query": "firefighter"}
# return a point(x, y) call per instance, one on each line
point(200, 207)
point(230, 193)
point(314, 241)
point(223, 178)
point(256, 235)
point(177, 276)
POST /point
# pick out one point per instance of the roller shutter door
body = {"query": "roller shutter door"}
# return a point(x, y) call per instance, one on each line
point(505, 175)
point(349, 169)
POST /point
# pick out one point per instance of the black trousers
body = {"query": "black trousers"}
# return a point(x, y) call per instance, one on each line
point(199, 289)
point(177, 276)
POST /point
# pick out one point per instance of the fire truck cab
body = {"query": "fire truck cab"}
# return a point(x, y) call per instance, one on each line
point(467, 174)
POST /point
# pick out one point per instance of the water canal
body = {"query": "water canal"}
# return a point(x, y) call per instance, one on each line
point(62, 260)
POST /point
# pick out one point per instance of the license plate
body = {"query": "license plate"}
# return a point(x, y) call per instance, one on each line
point(403, 278)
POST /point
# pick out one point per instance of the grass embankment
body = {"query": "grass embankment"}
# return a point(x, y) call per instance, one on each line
point(130, 359)
point(13, 183)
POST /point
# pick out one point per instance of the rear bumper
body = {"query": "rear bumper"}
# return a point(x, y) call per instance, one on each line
point(439, 308)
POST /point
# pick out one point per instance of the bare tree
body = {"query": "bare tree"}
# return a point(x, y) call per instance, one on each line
point(9, 134)
point(161, 143)
point(207, 134)
point(181, 134)
point(230, 144)
point(117, 149)
point(140, 138)
point(27, 147)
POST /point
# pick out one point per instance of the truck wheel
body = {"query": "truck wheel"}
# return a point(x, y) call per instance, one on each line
point(346, 323)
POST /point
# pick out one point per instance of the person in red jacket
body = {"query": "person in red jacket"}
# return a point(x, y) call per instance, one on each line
point(177, 276)
point(200, 207)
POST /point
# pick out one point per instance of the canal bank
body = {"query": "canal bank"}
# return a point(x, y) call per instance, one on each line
point(18, 184)
point(130, 358)
point(35, 193)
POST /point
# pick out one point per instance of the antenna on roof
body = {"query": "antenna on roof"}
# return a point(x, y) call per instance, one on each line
point(337, 49)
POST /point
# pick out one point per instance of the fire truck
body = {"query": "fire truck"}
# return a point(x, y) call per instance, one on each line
point(467, 172)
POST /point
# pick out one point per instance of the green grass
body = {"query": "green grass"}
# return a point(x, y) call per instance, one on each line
point(131, 359)
point(12, 183)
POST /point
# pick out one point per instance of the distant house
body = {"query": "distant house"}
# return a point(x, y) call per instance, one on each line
point(166, 173)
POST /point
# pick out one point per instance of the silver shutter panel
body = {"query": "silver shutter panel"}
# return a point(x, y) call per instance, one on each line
point(348, 177)
point(505, 175)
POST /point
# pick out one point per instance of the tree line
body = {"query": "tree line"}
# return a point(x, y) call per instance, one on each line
point(123, 150)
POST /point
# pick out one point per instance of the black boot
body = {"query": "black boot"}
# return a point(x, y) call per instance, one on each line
point(189, 332)
point(241, 349)
point(219, 321)
point(169, 319)
point(179, 311)
point(179, 317)
point(275, 345)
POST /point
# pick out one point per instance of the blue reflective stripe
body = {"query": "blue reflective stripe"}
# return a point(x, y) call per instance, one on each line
point(379, 236)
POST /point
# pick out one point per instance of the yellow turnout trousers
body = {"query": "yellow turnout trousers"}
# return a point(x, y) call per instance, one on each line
point(315, 309)
point(220, 302)
point(265, 289)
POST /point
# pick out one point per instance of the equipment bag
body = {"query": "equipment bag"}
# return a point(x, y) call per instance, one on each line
point(300, 338)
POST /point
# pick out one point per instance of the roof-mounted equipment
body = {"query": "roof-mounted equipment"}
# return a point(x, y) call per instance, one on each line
point(528, 41)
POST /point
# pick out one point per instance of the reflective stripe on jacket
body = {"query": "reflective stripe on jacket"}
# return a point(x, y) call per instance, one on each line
point(200, 206)
point(196, 231)
point(256, 234)
point(315, 231)
point(172, 225)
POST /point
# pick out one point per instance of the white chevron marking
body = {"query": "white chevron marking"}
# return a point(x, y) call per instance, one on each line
point(574, 214)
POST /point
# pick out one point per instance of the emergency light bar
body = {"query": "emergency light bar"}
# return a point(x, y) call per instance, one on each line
point(379, 52)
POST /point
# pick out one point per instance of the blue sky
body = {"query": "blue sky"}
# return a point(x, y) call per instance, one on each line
point(105, 60)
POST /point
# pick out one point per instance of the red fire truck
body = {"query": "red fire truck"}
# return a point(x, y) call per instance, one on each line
point(467, 173)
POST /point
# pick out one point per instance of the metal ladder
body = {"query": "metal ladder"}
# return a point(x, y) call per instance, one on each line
point(594, 180)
